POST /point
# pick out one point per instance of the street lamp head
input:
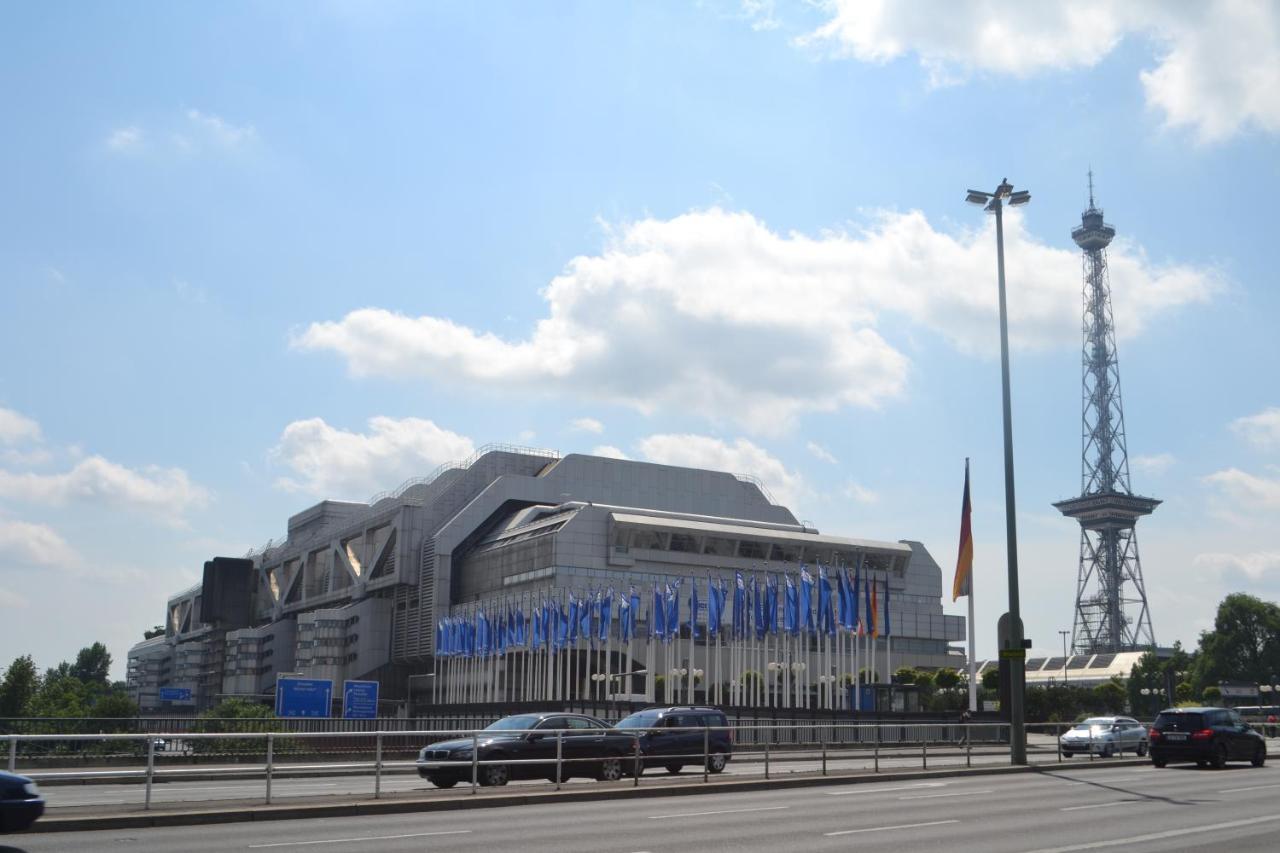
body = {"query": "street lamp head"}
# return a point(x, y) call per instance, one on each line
point(977, 197)
point(1020, 197)
point(1004, 189)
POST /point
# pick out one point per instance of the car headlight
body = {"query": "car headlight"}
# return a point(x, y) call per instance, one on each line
point(31, 789)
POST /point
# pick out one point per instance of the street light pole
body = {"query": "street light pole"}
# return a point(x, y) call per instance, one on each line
point(1064, 654)
point(1014, 649)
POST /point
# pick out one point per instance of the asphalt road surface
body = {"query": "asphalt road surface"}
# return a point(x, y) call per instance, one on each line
point(1134, 809)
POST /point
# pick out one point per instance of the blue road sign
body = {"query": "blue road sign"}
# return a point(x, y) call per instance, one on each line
point(359, 700)
point(175, 694)
point(303, 697)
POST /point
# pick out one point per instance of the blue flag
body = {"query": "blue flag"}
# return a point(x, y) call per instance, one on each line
point(791, 608)
point(606, 615)
point(658, 616)
point(713, 608)
point(806, 600)
point(693, 609)
point(826, 621)
point(635, 609)
point(771, 603)
point(673, 610)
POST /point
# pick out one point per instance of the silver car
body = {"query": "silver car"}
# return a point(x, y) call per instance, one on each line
point(1105, 736)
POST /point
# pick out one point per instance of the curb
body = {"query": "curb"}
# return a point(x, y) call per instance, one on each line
point(378, 807)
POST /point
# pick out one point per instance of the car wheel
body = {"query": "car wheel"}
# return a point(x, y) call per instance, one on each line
point(443, 781)
point(1142, 749)
point(494, 775)
point(1202, 762)
point(610, 770)
point(717, 762)
point(564, 775)
point(1159, 762)
point(1259, 756)
point(1107, 750)
point(1219, 759)
point(674, 768)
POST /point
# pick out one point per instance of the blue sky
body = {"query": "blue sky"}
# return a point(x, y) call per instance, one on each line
point(261, 257)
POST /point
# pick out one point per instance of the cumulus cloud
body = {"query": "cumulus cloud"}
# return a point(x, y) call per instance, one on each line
point(11, 599)
point(715, 313)
point(36, 545)
point(1193, 83)
point(740, 457)
point(1256, 566)
point(1261, 430)
point(167, 493)
point(609, 451)
point(587, 425)
point(1247, 491)
point(220, 131)
point(16, 428)
point(124, 138)
point(337, 463)
point(1154, 464)
point(821, 453)
point(860, 494)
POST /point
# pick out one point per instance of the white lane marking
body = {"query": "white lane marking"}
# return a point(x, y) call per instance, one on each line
point(725, 811)
point(952, 794)
point(871, 789)
point(887, 828)
point(1159, 836)
point(1111, 804)
point(364, 838)
point(1250, 788)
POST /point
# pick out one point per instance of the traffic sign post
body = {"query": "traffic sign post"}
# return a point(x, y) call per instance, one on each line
point(359, 700)
point(304, 697)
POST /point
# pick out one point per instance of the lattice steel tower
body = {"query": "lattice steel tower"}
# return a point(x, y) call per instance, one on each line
point(1111, 600)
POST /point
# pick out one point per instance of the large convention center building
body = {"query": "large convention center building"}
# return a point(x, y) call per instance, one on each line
point(522, 575)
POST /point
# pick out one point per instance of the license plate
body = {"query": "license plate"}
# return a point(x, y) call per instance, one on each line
point(1175, 736)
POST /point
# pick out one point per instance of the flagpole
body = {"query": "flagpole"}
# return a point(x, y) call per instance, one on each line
point(973, 680)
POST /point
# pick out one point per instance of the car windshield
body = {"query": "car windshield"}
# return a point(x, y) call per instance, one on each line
point(520, 721)
point(642, 720)
point(1095, 722)
point(1180, 722)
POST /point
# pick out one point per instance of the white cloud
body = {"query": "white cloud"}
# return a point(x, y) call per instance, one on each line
point(1261, 430)
point(1256, 566)
point(821, 452)
point(35, 544)
point(16, 428)
point(124, 138)
point(1248, 492)
point(740, 457)
point(609, 451)
point(714, 313)
point(587, 425)
point(1155, 464)
point(336, 463)
point(167, 493)
point(12, 600)
point(860, 494)
point(1217, 62)
point(220, 131)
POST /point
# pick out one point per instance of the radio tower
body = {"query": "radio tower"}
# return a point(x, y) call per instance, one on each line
point(1111, 600)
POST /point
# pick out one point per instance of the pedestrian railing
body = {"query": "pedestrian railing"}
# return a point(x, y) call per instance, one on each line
point(619, 756)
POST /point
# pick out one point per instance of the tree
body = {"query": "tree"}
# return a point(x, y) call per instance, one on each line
point(1244, 644)
point(991, 678)
point(1111, 696)
point(905, 675)
point(114, 705)
point(1212, 694)
point(19, 687)
point(93, 665)
point(157, 631)
point(946, 679)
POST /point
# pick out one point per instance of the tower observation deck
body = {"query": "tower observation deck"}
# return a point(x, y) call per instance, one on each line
point(1111, 611)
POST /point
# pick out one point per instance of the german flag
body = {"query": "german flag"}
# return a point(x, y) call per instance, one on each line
point(963, 584)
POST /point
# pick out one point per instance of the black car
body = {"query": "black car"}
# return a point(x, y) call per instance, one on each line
point(1207, 736)
point(587, 748)
point(20, 802)
point(674, 737)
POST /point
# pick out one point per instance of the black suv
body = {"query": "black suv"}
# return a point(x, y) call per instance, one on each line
point(675, 736)
point(1207, 736)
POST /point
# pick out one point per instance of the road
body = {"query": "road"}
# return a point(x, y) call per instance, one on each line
point(206, 791)
point(1134, 809)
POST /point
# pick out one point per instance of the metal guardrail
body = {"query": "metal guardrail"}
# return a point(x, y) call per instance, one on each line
point(807, 744)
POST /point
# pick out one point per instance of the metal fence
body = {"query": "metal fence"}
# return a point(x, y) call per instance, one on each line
point(262, 756)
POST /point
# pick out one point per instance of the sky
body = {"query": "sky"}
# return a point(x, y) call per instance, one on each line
point(265, 254)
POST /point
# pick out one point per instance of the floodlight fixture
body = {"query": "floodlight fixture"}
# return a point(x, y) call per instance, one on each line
point(977, 197)
point(1020, 197)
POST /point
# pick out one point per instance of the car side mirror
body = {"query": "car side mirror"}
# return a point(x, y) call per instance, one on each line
point(532, 736)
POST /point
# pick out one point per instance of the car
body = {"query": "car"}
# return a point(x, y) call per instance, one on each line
point(672, 737)
point(1105, 736)
point(20, 802)
point(1207, 736)
point(524, 746)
